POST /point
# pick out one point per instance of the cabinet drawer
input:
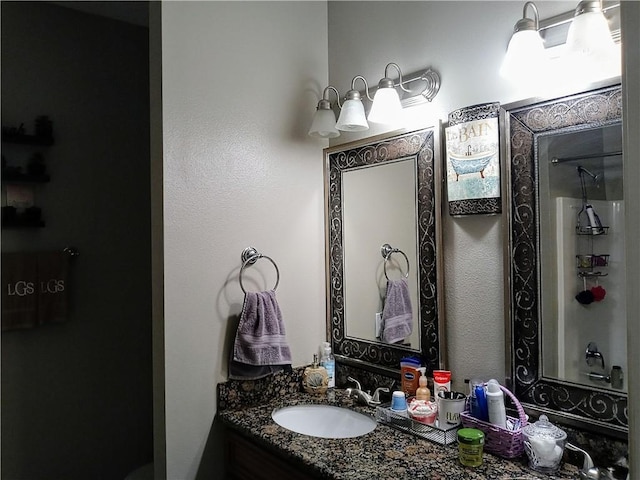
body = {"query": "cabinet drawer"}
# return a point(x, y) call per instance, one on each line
point(247, 461)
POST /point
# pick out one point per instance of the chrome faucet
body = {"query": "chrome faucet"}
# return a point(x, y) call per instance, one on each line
point(364, 397)
point(589, 471)
point(588, 468)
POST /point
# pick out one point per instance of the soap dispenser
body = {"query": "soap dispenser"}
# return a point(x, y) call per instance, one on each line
point(422, 392)
point(315, 379)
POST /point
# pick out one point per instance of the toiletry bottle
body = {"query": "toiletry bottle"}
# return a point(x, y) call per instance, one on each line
point(495, 404)
point(441, 381)
point(481, 399)
point(594, 221)
point(423, 393)
point(409, 374)
point(474, 407)
point(315, 378)
point(329, 363)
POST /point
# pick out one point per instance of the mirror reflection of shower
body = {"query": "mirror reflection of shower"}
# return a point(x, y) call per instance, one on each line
point(593, 356)
point(582, 170)
point(582, 271)
point(588, 219)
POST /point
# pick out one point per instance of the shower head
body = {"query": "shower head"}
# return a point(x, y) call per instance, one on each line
point(582, 170)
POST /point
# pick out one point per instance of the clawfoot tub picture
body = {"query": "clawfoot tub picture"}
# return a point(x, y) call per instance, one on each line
point(473, 160)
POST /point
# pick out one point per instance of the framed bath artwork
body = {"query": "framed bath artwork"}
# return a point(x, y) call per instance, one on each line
point(473, 160)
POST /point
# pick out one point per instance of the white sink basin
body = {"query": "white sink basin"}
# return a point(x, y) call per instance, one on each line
point(324, 421)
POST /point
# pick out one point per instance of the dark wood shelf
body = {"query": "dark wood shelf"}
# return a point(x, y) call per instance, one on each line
point(24, 139)
point(28, 177)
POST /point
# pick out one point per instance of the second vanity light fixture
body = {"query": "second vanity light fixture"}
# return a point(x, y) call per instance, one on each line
point(589, 48)
point(386, 107)
point(589, 39)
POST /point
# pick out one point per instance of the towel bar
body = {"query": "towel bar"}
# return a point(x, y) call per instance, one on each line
point(250, 256)
point(387, 250)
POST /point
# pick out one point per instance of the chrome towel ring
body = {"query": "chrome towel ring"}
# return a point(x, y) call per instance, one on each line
point(250, 256)
point(387, 250)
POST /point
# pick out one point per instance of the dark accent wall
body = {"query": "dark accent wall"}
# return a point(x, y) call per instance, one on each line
point(77, 396)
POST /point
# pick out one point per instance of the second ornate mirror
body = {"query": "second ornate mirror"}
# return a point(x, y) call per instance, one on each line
point(384, 250)
point(565, 261)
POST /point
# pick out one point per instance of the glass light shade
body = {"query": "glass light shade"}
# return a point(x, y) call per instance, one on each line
point(526, 59)
point(386, 108)
point(324, 124)
point(589, 34)
point(352, 117)
point(590, 47)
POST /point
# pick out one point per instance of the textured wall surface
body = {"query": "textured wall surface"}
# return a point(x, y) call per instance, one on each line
point(240, 81)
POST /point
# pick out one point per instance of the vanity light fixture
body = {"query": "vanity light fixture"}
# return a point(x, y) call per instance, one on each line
point(589, 31)
point(586, 49)
point(386, 107)
point(589, 41)
point(525, 55)
point(352, 117)
point(324, 120)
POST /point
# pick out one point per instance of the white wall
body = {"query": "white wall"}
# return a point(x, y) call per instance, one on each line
point(240, 83)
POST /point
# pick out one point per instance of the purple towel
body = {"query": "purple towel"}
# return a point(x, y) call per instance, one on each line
point(260, 338)
point(397, 315)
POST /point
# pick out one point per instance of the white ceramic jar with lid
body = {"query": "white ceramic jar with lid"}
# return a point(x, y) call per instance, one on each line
point(544, 444)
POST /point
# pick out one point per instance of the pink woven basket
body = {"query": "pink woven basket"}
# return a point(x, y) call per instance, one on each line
point(497, 440)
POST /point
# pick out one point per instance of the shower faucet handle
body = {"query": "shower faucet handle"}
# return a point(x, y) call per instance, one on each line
point(593, 356)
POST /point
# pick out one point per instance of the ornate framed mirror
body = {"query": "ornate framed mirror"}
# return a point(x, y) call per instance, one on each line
point(383, 206)
point(564, 157)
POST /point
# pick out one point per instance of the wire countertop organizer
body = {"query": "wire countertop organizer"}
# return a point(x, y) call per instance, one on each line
point(387, 250)
point(250, 256)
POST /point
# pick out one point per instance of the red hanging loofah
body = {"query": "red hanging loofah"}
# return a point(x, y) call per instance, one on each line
point(598, 293)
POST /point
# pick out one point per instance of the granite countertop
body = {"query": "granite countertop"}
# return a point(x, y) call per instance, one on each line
point(385, 453)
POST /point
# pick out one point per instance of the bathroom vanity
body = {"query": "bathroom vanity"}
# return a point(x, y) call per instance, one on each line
point(258, 448)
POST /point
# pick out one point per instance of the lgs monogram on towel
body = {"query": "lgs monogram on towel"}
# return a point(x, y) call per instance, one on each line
point(22, 288)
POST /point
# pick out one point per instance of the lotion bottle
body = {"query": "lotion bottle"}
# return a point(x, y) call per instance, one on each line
point(495, 404)
point(422, 392)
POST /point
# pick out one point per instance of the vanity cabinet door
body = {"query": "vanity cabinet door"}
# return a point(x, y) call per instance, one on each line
point(248, 461)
